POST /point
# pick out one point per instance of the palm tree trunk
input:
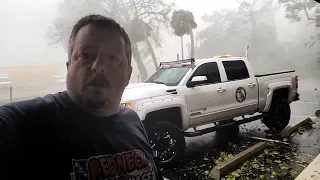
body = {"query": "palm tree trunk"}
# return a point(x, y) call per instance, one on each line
point(135, 51)
point(254, 45)
point(146, 39)
point(137, 58)
point(192, 41)
point(182, 47)
point(153, 55)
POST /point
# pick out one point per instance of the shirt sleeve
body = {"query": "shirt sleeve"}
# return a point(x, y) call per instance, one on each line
point(9, 145)
point(21, 128)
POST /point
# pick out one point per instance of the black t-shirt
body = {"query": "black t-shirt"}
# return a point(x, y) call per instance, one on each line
point(52, 138)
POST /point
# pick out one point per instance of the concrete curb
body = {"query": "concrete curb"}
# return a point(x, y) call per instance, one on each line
point(291, 129)
point(231, 164)
point(312, 171)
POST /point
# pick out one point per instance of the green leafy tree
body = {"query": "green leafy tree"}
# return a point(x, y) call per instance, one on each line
point(225, 33)
point(183, 23)
point(309, 9)
point(149, 17)
point(141, 19)
point(254, 12)
point(69, 11)
point(229, 31)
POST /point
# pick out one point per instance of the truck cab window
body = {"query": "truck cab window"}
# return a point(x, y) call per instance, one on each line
point(236, 70)
point(210, 70)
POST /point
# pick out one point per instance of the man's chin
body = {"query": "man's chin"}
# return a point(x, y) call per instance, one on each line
point(95, 99)
point(95, 103)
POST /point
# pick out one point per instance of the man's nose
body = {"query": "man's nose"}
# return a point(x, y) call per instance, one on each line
point(98, 66)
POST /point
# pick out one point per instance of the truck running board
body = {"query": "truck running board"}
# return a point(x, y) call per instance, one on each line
point(218, 127)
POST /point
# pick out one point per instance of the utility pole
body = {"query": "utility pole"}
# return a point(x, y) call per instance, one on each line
point(247, 51)
point(182, 47)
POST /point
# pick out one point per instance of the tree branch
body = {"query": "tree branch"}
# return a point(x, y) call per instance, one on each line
point(307, 14)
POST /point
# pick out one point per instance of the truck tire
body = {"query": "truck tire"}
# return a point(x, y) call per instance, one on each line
point(279, 114)
point(167, 142)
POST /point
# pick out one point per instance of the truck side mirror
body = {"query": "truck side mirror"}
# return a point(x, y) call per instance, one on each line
point(196, 80)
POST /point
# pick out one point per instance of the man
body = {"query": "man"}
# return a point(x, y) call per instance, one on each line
point(82, 133)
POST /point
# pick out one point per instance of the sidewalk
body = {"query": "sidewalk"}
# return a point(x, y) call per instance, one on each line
point(312, 172)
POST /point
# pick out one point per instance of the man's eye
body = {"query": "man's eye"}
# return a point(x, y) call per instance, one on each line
point(83, 55)
point(87, 56)
point(115, 61)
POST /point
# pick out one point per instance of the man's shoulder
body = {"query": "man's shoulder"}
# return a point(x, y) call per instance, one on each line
point(40, 104)
point(128, 113)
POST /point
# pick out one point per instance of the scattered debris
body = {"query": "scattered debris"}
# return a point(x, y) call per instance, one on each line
point(277, 162)
point(198, 165)
point(307, 155)
point(280, 161)
point(270, 140)
point(297, 127)
point(226, 163)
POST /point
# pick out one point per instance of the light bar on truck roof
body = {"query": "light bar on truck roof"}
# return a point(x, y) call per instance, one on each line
point(223, 56)
point(191, 60)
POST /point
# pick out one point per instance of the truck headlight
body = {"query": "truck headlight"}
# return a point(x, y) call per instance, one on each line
point(128, 105)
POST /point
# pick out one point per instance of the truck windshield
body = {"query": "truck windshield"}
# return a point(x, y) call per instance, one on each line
point(170, 76)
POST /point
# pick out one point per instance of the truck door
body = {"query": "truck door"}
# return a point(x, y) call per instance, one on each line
point(241, 89)
point(204, 100)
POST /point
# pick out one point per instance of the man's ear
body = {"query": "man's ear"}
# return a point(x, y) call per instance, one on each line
point(129, 74)
point(67, 64)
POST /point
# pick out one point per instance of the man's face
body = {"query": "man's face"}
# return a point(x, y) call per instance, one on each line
point(99, 68)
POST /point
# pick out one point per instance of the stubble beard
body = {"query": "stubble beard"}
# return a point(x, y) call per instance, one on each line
point(85, 97)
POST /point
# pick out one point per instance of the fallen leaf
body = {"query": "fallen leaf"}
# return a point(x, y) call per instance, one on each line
point(256, 166)
point(235, 174)
point(278, 161)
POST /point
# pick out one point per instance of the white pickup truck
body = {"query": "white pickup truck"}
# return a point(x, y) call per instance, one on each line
point(189, 93)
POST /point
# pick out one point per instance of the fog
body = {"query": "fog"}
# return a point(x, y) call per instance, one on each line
point(26, 42)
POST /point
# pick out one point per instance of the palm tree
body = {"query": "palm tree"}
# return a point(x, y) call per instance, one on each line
point(141, 31)
point(183, 23)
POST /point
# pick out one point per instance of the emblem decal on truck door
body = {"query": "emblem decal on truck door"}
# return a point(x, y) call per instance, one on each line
point(241, 94)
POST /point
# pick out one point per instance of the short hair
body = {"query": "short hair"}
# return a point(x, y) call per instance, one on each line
point(99, 21)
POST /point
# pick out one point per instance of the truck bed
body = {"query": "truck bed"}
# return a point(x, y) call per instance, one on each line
point(281, 78)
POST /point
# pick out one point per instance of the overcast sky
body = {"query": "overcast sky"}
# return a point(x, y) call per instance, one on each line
point(24, 23)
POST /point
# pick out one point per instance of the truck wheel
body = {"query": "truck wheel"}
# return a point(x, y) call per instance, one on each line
point(167, 142)
point(279, 114)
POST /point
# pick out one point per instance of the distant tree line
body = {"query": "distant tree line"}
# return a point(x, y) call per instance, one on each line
point(252, 23)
